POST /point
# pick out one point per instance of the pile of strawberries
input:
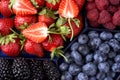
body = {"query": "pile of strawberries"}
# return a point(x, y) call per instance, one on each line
point(104, 12)
point(38, 25)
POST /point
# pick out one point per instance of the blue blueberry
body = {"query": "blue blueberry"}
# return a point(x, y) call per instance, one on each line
point(117, 59)
point(106, 35)
point(76, 56)
point(63, 66)
point(83, 39)
point(93, 34)
point(117, 36)
point(98, 57)
point(74, 46)
point(114, 44)
point(111, 74)
point(104, 67)
point(84, 49)
point(110, 61)
point(93, 78)
point(111, 54)
point(94, 43)
point(89, 58)
point(116, 67)
point(74, 69)
point(100, 76)
point(108, 78)
point(70, 59)
point(66, 76)
point(90, 69)
point(104, 47)
point(82, 76)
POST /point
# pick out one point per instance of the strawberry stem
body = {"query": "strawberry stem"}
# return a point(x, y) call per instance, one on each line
point(72, 32)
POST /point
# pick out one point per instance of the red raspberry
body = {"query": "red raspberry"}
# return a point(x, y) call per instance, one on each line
point(109, 25)
point(116, 18)
point(90, 5)
point(115, 2)
point(112, 9)
point(104, 17)
point(94, 23)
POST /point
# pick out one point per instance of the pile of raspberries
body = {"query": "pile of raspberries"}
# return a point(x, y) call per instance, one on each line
point(103, 12)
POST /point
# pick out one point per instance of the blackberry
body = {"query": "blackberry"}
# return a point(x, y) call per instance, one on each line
point(51, 70)
point(20, 68)
point(5, 70)
point(37, 72)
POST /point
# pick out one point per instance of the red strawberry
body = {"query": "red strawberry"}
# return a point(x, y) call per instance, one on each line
point(21, 20)
point(23, 7)
point(4, 9)
point(33, 48)
point(47, 16)
point(76, 29)
point(36, 32)
point(10, 48)
point(38, 3)
point(53, 4)
point(5, 25)
point(80, 3)
point(54, 45)
point(68, 9)
point(56, 41)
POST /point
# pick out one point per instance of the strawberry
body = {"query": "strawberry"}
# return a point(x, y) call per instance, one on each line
point(36, 32)
point(68, 9)
point(22, 7)
point(54, 45)
point(5, 25)
point(4, 9)
point(47, 16)
point(33, 48)
point(20, 21)
point(80, 4)
point(38, 3)
point(10, 45)
point(53, 4)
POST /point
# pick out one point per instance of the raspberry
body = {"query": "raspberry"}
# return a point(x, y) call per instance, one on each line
point(116, 18)
point(112, 9)
point(90, 5)
point(114, 2)
point(109, 25)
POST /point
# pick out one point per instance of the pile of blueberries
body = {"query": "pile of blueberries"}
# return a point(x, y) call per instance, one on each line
point(94, 56)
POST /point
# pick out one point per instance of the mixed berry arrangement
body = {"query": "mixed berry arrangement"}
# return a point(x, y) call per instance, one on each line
point(93, 56)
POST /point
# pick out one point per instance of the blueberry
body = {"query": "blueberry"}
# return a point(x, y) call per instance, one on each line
point(63, 66)
point(83, 49)
point(83, 39)
point(90, 69)
point(111, 54)
point(93, 78)
point(89, 58)
point(76, 56)
point(108, 78)
point(117, 58)
point(106, 35)
point(82, 76)
point(104, 67)
point(94, 43)
point(104, 47)
point(74, 46)
point(100, 76)
point(66, 76)
point(74, 69)
point(114, 44)
point(93, 34)
point(111, 62)
point(70, 59)
point(117, 36)
point(116, 67)
point(111, 74)
point(98, 57)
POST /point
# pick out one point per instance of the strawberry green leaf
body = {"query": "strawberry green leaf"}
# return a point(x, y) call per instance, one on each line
point(64, 30)
point(60, 21)
point(11, 3)
point(24, 26)
point(53, 1)
point(76, 21)
point(35, 3)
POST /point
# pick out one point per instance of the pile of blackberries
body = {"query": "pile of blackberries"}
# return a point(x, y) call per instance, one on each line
point(94, 56)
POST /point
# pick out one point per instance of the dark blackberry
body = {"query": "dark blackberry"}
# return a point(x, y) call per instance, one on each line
point(5, 70)
point(20, 68)
point(37, 72)
point(51, 70)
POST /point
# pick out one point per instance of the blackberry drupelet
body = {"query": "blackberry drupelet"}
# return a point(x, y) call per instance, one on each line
point(51, 70)
point(20, 69)
point(36, 68)
point(5, 70)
